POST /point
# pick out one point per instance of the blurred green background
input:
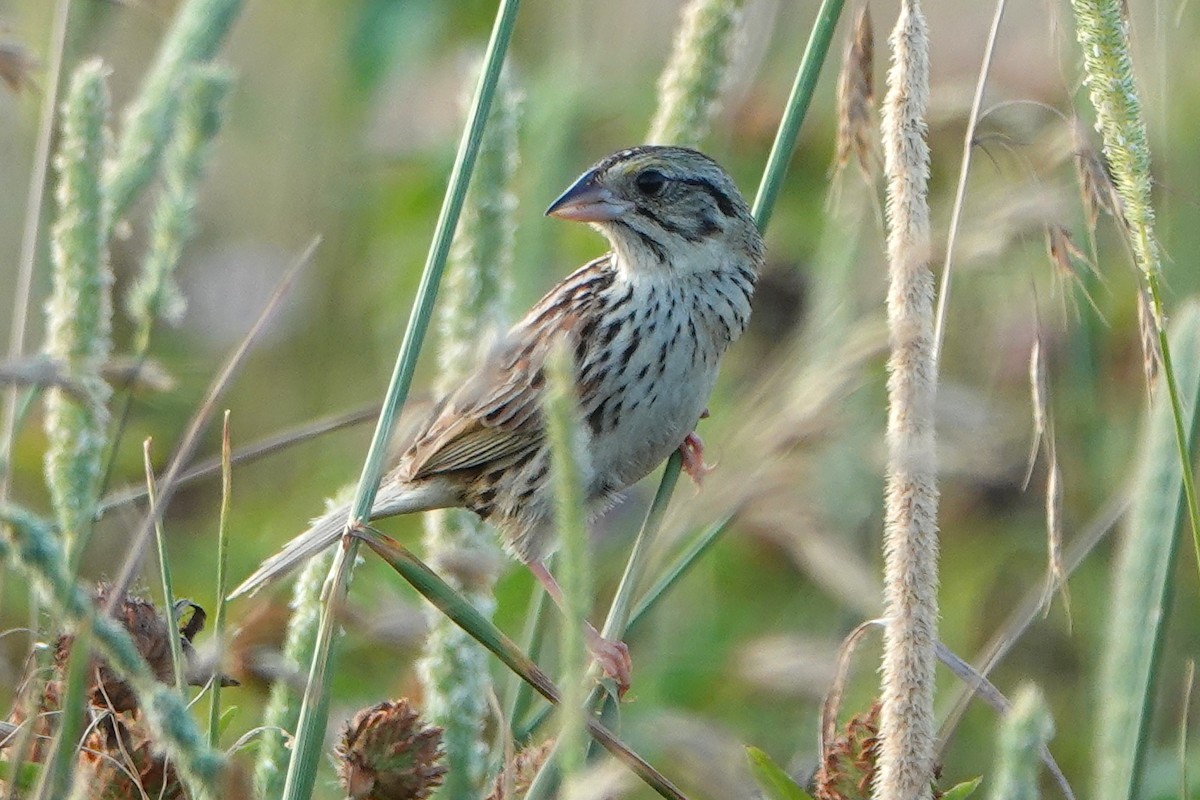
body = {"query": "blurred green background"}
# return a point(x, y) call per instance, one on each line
point(343, 124)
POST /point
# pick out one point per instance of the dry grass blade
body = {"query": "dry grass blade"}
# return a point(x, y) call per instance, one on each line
point(41, 373)
point(253, 452)
point(833, 698)
point(1067, 258)
point(1054, 536)
point(856, 97)
point(188, 441)
point(987, 691)
point(1148, 337)
point(1041, 411)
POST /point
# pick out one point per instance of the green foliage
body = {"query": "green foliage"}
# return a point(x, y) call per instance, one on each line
point(1145, 573)
point(770, 777)
point(1026, 729)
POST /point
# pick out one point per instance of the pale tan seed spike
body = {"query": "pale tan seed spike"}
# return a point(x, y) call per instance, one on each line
point(1037, 390)
point(856, 96)
point(1054, 533)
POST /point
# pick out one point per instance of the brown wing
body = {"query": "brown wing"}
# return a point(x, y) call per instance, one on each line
point(497, 412)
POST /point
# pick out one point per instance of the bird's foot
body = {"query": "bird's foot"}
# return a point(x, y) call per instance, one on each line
point(692, 452)
point(613, 658)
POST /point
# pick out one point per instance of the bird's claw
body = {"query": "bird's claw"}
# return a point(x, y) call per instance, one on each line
point(613, 658)
point(692, 452)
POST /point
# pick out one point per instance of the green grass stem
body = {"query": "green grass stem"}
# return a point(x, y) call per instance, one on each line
point(214, 708)
point(1102, 28)
point(164, 571)
point(311, 726)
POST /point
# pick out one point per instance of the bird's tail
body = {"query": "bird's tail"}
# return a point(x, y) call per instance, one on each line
point(393, 498)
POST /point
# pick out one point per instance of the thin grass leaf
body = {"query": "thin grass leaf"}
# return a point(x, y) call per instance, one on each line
point(567, 457)
point(250, 453)
point(460, 610)
point(314, 708)
point(962, 791)
point(1144, 575)
point(1184, 713)
point(775, 783)
point(164, 571)
point(214, 708)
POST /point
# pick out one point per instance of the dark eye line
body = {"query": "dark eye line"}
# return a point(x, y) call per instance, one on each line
point(719, 197)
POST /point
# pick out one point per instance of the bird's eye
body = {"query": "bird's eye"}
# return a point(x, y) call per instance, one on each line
point(650, 182)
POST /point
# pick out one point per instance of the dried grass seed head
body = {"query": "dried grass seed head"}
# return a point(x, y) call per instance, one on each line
point(856, 96)
point(388, 753)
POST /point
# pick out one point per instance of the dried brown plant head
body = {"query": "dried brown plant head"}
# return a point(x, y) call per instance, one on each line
point(848, 764)
point(1096, 188)
point(517, 776)
point(149, 631)
point(856, 97)
point(1069, 262)
point(119, 761)
point(388, 753)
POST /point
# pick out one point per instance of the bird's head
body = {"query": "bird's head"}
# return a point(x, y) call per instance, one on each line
point(663, 207)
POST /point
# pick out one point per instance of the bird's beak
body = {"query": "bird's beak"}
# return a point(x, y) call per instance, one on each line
point(589, 201)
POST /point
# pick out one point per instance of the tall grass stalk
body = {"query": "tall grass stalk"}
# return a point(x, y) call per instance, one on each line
point(689, 90)
point(33, 547)
point(1142, 590)
point(1102, 29)
point(79, 312)
point(907, 724)
point(454, 668)
point(1025, 730)
point(283, 706)
point(568, 459)
point(314, 709)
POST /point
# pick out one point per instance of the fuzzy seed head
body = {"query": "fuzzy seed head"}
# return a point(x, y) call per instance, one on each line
point(690, 87)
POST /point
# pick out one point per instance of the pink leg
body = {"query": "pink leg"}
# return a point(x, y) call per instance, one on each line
point(612, 656)
point(692, 451)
